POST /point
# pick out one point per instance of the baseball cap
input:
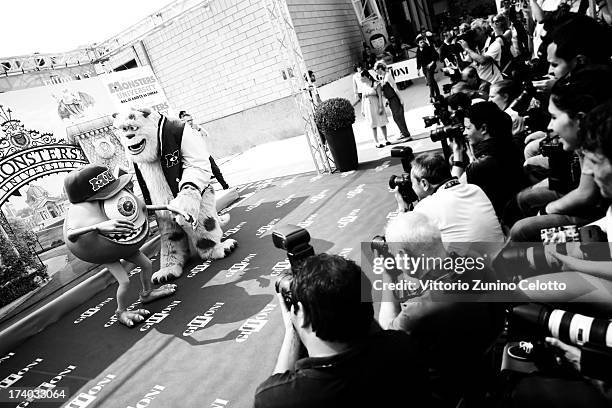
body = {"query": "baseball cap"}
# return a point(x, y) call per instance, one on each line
point(93, 182)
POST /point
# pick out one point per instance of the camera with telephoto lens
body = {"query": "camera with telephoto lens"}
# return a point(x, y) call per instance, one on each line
point(402, 182)
point(296, 241)
point(570, 328)
point(563, 176)
point(450, 132)
point(524, 261)
point(441, 113)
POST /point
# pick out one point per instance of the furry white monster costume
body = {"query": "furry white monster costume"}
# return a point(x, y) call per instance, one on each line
point(172, 167)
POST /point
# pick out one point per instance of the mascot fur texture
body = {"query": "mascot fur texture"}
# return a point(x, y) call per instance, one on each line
point(172, 167)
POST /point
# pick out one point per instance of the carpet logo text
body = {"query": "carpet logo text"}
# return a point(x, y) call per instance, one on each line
point(280, 267)
point(200, 321)
point(285, 201)
point(199, 268)
point(234, 230)
point(240, 266)
point(92, 310)
point(85, 398)
point(318, 197)
point(255, 323)
point(344, 221)
point(262, 230)
point(307, 222)
point(14, 377)
point(159, 316)
point(145, 401)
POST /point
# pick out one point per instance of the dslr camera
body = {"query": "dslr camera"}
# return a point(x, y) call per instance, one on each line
point(296, 241)
point(562, 176)
point(402, 182)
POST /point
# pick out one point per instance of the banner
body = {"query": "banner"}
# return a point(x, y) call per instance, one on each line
point(405, 70)
point(53, 108)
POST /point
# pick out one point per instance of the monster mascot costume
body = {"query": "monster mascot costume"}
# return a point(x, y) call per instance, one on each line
point(172, 167)
point(107, 223)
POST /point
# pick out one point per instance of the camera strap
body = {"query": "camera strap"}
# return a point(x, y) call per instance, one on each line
point(448, 184)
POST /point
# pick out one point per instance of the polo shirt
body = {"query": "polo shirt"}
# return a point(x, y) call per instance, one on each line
point(384, 370)
point(463, 213)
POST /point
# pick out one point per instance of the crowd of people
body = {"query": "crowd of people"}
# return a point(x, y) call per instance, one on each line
point(529, 148)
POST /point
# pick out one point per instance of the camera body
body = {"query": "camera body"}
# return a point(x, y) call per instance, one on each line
point(296, 241)
point(402, 182)
point(562, 176)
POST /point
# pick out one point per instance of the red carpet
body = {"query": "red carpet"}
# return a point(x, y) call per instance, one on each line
point(212, 343)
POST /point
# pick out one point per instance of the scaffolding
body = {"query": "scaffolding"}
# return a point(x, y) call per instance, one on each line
point(302, 88)
point(99, 53)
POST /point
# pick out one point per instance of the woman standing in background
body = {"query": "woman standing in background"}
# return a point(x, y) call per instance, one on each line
point(372, 106)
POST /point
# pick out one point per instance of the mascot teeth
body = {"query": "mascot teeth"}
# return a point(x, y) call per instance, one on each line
point(123, 238)
point(138, 147)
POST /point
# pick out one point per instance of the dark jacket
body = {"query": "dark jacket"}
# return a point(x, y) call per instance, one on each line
point(170, 139)
point(497, 171)
point(426, 56)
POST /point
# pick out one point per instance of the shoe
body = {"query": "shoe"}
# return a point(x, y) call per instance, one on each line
point(379, 146)
point(388, 143)
point(405, 138)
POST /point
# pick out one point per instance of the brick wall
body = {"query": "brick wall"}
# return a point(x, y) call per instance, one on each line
point(218, 60)
point(329, 35)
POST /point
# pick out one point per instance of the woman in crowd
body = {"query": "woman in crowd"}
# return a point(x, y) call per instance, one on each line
point(503, 93)
point(391, 93)
point(372, 106)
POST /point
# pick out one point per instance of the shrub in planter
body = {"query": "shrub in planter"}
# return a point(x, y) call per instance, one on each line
point(334, 114)
point(334, 118)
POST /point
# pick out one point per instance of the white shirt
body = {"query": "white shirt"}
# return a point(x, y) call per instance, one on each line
point(463, 213)
point(489, 71)
point(549, 5)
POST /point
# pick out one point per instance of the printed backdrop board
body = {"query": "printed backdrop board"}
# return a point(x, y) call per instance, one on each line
point(53, 108)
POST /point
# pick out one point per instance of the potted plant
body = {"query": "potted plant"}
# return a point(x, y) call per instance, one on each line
point(334, 118)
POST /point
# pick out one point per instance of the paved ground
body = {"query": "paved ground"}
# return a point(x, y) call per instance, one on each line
point(292, 156)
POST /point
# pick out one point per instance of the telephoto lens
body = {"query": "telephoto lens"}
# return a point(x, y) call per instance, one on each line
point(570, 328)
point(450, 132)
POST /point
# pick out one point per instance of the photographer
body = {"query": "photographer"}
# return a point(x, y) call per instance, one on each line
point(597, 145)
point(496, 167)
point(462, 211)
point(570, 100)
point(455, 335)
point(472, 85)
point(487, 51)
point(348, 354)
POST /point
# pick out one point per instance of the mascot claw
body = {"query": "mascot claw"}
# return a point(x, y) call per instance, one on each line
point(128, 318)
point(224, 248)
point(166, 274)
point(162, 291)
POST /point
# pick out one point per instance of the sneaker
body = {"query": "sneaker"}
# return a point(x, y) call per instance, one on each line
point(388, 143)
point(522, 351)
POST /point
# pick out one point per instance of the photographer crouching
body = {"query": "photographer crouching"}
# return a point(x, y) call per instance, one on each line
point(455, 334)
point(327, 309)
point(462, 211)
point(496, 165)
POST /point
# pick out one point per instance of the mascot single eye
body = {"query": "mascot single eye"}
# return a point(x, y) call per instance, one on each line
point(121, 206)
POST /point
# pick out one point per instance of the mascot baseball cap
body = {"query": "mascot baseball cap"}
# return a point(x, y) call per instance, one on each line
point(93, 182)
